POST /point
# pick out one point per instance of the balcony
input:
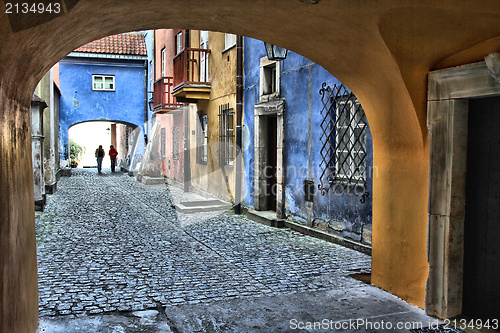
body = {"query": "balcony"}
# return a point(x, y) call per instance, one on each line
point(191, 75)
point(162, 95)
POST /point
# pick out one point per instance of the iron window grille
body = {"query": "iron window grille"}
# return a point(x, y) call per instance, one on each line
point(175, 143)
point(343, 139)
point(226, 135)
point(202, 140)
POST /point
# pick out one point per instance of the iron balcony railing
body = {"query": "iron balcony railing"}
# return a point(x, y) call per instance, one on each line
point(162, 93)
point(191, 67)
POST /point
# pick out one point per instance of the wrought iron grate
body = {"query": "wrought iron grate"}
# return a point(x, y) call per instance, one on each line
point(226, 135)
point(343, 139)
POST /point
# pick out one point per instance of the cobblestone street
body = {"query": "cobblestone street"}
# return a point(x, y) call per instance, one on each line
point(108, 244)
point(115, 256)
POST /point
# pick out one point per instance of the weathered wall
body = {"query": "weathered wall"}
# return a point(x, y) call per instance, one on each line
point(171, 167)
point(300, 82)
point(79, 103)
point(211, 177)
point(49, 92)
point(382, 50)
point(18, 270)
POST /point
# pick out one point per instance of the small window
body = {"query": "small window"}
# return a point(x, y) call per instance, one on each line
point(230, 41)
point(103, 82)
point(269, 79)
point(178, 43)
point(202, 139)
point(163, 62)
point(269, 84)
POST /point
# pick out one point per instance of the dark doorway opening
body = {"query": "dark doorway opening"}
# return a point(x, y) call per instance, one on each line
point(481, 282)
point(272, 152)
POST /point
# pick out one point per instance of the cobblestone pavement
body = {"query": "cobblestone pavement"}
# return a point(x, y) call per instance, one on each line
point(108, 244)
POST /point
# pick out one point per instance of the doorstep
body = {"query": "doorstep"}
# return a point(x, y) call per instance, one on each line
point(202, 205)
point(268, 218)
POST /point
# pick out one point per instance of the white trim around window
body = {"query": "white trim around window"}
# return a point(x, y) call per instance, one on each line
point(229, 41)
point(103, 82)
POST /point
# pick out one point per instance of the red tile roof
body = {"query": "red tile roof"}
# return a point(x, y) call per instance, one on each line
point(126, 43)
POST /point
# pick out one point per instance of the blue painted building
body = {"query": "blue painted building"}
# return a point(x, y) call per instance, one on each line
point(104, 80)
point(285, 154)
point(150, 48)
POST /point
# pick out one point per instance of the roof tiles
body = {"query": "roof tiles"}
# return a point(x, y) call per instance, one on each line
point(126, 43)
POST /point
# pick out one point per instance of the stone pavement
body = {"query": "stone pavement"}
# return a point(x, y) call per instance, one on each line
point(114, 256)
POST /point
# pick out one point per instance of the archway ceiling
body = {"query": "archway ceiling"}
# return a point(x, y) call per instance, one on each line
point(381, 49)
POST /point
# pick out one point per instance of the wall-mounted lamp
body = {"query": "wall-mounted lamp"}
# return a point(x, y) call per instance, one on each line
point(108, 130)
point(151, 104)
point(275, 52)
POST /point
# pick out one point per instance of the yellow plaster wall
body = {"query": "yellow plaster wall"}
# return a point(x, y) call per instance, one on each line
point(211, 177)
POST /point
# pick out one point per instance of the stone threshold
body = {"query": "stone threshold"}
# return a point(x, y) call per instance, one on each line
point(203, 205)
point(269, 218)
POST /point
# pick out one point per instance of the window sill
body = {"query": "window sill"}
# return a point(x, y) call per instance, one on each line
point(229, 48)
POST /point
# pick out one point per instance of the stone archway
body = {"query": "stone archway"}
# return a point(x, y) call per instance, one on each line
point(382, 51)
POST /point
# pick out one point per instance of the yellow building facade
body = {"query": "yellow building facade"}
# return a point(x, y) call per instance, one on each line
point(212, 119)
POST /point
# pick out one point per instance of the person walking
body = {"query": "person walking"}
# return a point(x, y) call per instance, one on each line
point(112, 155)
point(99, 154)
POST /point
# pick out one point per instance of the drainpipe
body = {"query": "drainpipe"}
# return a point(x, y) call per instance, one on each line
point(239, 113)
point(187, 148)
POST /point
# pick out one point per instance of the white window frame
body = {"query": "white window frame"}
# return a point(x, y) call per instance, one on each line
point(178, 43)
point(204, 56)
point(229, 41)
point(264, 79)
point(202, 139)
point(102, 86)
point(163, 62)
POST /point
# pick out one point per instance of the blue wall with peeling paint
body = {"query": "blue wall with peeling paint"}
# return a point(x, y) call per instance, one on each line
point(79, 103)
point(300, 83)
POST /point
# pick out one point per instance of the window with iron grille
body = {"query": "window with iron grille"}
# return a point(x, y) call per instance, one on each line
point(202, 139)
point(343, 139)
point(163, 142)
point(226, 135)
point(175, 143)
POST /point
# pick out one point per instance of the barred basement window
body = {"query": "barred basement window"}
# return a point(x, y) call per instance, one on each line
point(226, 135)
point(343, 138)
point(163, 143)
point(175, 143)
point(202, 140)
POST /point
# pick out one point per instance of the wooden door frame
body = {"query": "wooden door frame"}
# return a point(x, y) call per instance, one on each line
point(447, 120)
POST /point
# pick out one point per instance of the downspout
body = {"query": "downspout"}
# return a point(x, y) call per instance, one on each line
point(187, 144)
point(239, 113)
